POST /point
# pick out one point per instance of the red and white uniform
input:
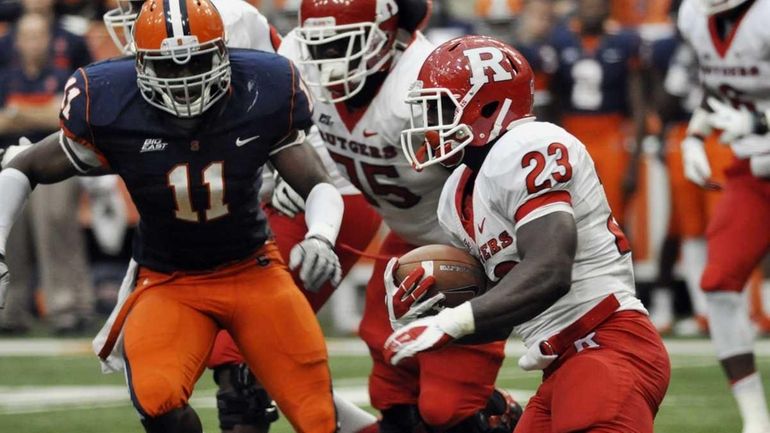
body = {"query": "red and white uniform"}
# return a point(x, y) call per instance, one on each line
point(246, 27)
point(449, 385)
point(558, 176)
point(536, 169)
point(737, 69)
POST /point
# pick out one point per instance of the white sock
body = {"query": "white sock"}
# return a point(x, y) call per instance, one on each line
point(750, 395)
point(662, 308)
point(351, 417)
point(731, 330)
point(693, 263)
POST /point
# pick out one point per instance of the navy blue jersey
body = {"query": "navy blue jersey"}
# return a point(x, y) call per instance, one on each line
point(67, 50)
point(195, 182)
point(594, 79)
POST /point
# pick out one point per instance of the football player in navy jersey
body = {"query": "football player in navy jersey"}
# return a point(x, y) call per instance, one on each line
point(188, 125)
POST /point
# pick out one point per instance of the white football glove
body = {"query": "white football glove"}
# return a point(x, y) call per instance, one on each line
point(535, 359)
point(5, 280)
point(11, 152)
point(734, 122)
point(317, 262)
point(696, 163)
point(285, 199)
point(404, 302)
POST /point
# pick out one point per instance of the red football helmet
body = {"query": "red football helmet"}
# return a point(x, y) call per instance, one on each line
point(468, 92)
point(346, 40)
point(182, 63)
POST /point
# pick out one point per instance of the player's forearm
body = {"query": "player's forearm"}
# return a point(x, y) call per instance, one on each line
point(531, 288)
point(44, 163)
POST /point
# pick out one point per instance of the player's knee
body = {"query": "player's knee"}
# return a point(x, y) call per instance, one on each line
point(156, 394)
point(178, 420)
point(440, 413)
point(241, 400)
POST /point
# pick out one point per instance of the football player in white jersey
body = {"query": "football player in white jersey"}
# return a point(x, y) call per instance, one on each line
point(528, 204)
point(241, 402)
point(349, 57)
point(730, 39)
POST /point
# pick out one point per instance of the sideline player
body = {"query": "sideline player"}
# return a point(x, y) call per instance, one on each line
point(190, 142)
point(597, 88)
point(241, 403)
point(728, 37)
point(348, 56)
point(528, 204)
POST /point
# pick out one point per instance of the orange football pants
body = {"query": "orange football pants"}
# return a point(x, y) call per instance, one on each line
point(604, 137)
point(360, 225)
point(691, 205)
point(170, 330)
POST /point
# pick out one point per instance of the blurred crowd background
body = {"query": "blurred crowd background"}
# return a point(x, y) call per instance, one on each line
point(613, 72)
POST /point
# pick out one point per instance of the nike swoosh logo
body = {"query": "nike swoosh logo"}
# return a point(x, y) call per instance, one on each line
point(481, 226)
point(239, 142)
point(368, 134)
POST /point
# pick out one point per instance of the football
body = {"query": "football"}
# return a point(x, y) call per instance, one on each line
point(459, 276)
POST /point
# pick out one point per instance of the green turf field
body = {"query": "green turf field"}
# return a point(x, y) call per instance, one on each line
point(67, 394)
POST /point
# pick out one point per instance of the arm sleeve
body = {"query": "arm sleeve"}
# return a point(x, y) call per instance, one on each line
point(536, 181)
point(77, 137)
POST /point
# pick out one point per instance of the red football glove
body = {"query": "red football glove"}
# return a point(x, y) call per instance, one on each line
point(405, 301)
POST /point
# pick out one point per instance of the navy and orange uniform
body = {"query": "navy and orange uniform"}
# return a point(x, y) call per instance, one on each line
point(18, 90)
point(67, 50)
point(206, 261)
point(592, 83)
point(195, 186)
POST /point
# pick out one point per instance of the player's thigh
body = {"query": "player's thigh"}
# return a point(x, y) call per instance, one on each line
point(456, 382)
point(536, 417)
point(688, 206)
point(166, 345)
point(282, 343)
point(634, 417)
point(225, 351)
point(391, 385)
point(738, 235)
point(588, 390)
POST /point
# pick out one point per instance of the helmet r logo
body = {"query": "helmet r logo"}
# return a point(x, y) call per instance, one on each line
point(486, 57)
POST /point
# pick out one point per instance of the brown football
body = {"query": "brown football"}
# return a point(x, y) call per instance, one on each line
point(458, 274)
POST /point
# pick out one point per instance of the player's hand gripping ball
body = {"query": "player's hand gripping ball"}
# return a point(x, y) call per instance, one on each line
point(428, 279)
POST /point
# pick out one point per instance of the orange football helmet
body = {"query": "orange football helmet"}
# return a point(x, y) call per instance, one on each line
point(182, 62)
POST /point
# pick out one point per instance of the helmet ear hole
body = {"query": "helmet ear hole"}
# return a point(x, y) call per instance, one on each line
point(489, 109)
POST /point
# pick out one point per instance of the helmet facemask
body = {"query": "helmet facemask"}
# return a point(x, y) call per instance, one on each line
point(343, 55)
point(120, 23)
point(184, 78)
point(436, 134)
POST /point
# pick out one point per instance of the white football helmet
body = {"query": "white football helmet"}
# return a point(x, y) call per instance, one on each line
point(120, 24)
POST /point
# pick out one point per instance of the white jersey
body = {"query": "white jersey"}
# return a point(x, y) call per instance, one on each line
point(367, 150)
point(738, 67)
point(245, 26)
point(558, 175)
